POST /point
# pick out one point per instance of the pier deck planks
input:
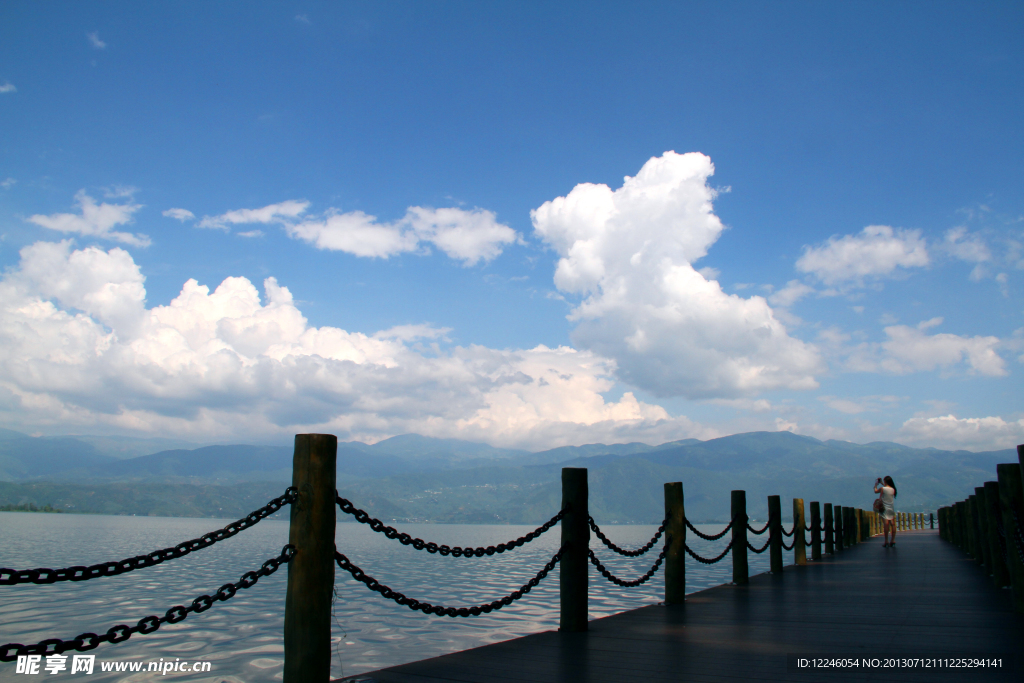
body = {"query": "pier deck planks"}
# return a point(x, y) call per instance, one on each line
point(922, 598)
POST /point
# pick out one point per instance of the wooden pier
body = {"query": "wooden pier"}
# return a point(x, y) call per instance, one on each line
point(921, 599)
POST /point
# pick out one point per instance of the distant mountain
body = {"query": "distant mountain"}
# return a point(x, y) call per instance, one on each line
point(415, 478)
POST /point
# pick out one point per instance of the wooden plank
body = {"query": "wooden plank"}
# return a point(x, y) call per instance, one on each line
point(923, 598)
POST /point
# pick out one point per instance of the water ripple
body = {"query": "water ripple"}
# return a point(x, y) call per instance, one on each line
point(242, 638)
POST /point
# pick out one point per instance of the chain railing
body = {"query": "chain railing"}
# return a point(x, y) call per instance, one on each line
point(621, 551)
point(754, 550)
point(705, 560)
point(622, 582)
point(763, 529)
point(711, 537)
point(10, 577)
point(122, 632)
point(391, 532)
point(476, 610)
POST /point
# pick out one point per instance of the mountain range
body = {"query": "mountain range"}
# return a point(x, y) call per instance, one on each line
point(416, 478)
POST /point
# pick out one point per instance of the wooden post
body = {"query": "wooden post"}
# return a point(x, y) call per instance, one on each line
point(815, 531)
point(307, 604)
point(931, 520)
point(992, 513)
point(675, 539)
point(859, 514)
point(775, 531)
point(740, 572)
point(840, 531)
point(979, 524)
point(572, 579)
point(1011, 499)
point(799, 540)
point(829, 549)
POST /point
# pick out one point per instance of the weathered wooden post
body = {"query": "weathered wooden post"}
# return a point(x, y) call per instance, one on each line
point(829, 549)
point(675, 540)
point(572, 578)
point(799, 539)
point(775, 533)
point(307, 603)
point(992, 513)
point(815, 530)
point(840, 531)
point(1011, 499)
point(931, 520)
point(861, 526)
point(740, 572)
point(979, 526)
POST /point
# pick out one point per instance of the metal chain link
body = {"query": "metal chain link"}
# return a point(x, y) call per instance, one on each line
point(790, 546)
point(758, 533)
point(713, 537)
point(620, 582)
point(704, 560)
point(391, 532)
point(122, 632)
point(10, 577)
point(763, 548)
point(628, 553)
point(476, 610)
point(790, 533)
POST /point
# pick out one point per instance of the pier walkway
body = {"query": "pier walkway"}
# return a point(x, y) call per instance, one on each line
point(923, 598)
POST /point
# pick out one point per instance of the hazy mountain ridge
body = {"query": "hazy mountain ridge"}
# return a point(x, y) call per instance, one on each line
point(417, 478)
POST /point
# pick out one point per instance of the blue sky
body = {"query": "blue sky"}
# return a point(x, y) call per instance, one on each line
point(412, 217)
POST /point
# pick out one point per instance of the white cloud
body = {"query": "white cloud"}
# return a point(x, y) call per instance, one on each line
point(628, 252)
point(272, 213)
point(94, 40)
point(8, 183)
point(95, 220)
point(911, 349)
point(79, 349)
point(180, 214)
point(976, 433)
point(251, 233)
point(467, 236)
point(302, 19)
point(878, 251)
point(7, 87)
point(790, 294)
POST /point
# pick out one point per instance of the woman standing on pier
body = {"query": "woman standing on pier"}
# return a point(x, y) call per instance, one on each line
point(887, 492)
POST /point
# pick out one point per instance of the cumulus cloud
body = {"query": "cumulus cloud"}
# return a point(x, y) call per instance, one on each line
point(969, 247)
point(877, 252)
point(94, 40)
point(911, 349)
point(7, 86)
point(974, 433)
point(180, 214)
point(95, 220)
point(80, 348)
point(628, 253)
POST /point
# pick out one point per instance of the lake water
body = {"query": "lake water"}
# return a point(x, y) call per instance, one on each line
point(242, 638)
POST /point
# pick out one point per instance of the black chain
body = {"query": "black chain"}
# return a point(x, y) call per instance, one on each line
point(763, 548)
point(122, 632)
point(10, 577)
point(628, 553)
point(790, 533)
point(704, 560)
point(627, 584)
point(790, 546)
point(476, 610)
point(405, 539)
point(764, 529)
point(713, 537)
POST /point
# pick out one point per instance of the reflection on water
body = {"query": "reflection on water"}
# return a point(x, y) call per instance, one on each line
point(242, 637)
